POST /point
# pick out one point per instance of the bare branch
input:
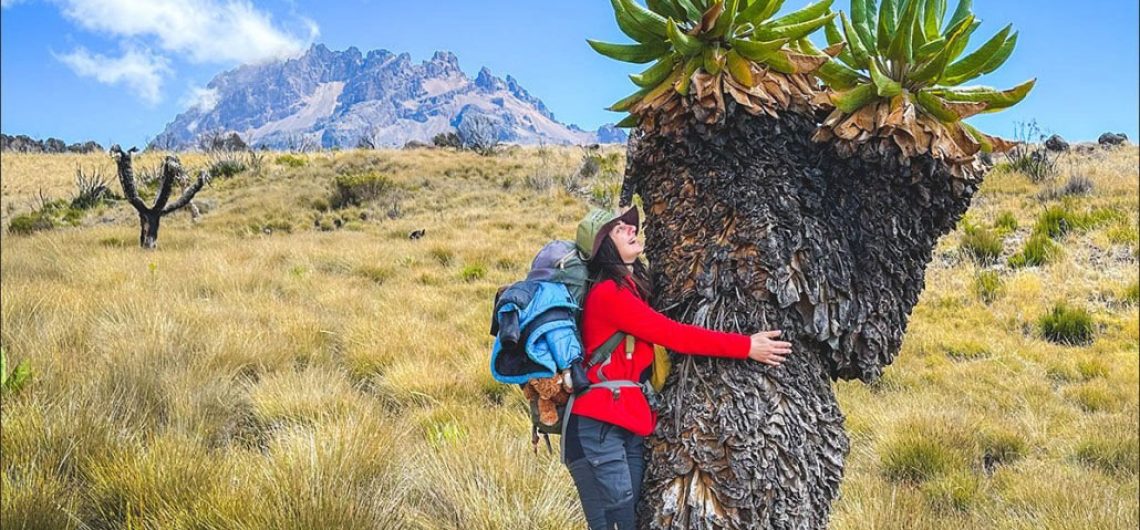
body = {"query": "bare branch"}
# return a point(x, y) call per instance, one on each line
point(171, 169)
point(188, 193)
point(127, 177)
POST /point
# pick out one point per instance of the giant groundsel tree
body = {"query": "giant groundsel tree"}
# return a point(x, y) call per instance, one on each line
point(788, 190)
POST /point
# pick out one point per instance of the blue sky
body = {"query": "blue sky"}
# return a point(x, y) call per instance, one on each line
point(102, 70)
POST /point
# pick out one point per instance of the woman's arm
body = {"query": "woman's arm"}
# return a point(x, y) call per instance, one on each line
point(631, 314)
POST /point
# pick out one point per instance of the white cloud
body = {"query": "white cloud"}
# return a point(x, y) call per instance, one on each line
point(9, 3)
point(140, 70)
point(203, 31)
point(198, 31)
point(203, 98)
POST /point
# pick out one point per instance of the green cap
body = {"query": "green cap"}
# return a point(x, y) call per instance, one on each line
point(594, 227)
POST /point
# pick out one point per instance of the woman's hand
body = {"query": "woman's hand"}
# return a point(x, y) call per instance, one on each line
point(768, 351)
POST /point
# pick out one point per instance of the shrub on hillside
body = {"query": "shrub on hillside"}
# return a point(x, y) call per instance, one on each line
point(289, 160)
point(1032, 159)
point(226, 167)
point(446, 139)
point(358, 189)
point(1076, 186)
point(1067, 325)
point(90, 190)
point(28, 223)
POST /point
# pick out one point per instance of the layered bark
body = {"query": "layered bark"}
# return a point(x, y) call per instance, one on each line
point(751, 226)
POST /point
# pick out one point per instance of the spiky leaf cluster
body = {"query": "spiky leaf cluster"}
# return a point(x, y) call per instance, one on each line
point(711, 48)
point(900, 77)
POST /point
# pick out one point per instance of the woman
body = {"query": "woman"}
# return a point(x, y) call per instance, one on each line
point(606, 427)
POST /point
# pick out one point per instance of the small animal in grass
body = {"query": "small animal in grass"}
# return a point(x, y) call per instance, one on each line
point(417, 234)
point(548, 393)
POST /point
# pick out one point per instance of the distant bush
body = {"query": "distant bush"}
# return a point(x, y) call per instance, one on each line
point(28, 223)
point(358, 189)
point(291, 161)
point(90, 190)
point(1039, 250)
point(981, 244)
point(1067, 325)
point(1029, 155)
point(988, 286)
point(447, 139)
point(1076, 186)
point(226, 167)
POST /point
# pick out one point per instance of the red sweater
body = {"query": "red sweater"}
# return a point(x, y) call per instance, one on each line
point(608, 309)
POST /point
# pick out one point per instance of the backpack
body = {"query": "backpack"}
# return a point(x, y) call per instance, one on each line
point(548, 303)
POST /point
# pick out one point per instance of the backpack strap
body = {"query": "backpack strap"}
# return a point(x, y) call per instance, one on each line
point(602, 354)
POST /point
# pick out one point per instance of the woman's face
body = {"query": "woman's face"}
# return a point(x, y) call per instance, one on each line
point(625, 239)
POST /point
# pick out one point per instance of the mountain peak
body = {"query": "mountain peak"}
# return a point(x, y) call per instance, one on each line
point(341, 98)
point(487, 82)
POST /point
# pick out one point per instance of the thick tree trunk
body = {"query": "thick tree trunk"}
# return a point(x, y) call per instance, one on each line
point(148, 223)
point(750, 226)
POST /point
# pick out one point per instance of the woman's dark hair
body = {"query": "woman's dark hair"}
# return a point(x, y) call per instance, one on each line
point(607, 264)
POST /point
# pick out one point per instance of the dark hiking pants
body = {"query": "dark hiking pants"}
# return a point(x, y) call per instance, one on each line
point(606, 463)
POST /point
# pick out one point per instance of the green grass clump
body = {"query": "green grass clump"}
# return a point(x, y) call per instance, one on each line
point(1039, 250)
point(967, 350)
point(1092, 369)
point(443, 256)
point(475, 271)
point(957, 491)
point(1002, 445)
point(1109, 454)
point(1132, 293)
point(1056, 221)
point(13, 381)
point(988, 286)
point(919, 451)
point(1067, 325)
point(293, 161)
point(982, 245)
point(1005, 223)
point(378, 275)
point(1093, 396)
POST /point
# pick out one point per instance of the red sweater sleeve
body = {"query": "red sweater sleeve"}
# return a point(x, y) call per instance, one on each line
point(629, 313)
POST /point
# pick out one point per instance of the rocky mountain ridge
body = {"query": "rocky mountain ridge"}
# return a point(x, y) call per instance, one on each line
point(340, 98)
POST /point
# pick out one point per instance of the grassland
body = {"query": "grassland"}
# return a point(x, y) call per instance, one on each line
point(279, 363)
